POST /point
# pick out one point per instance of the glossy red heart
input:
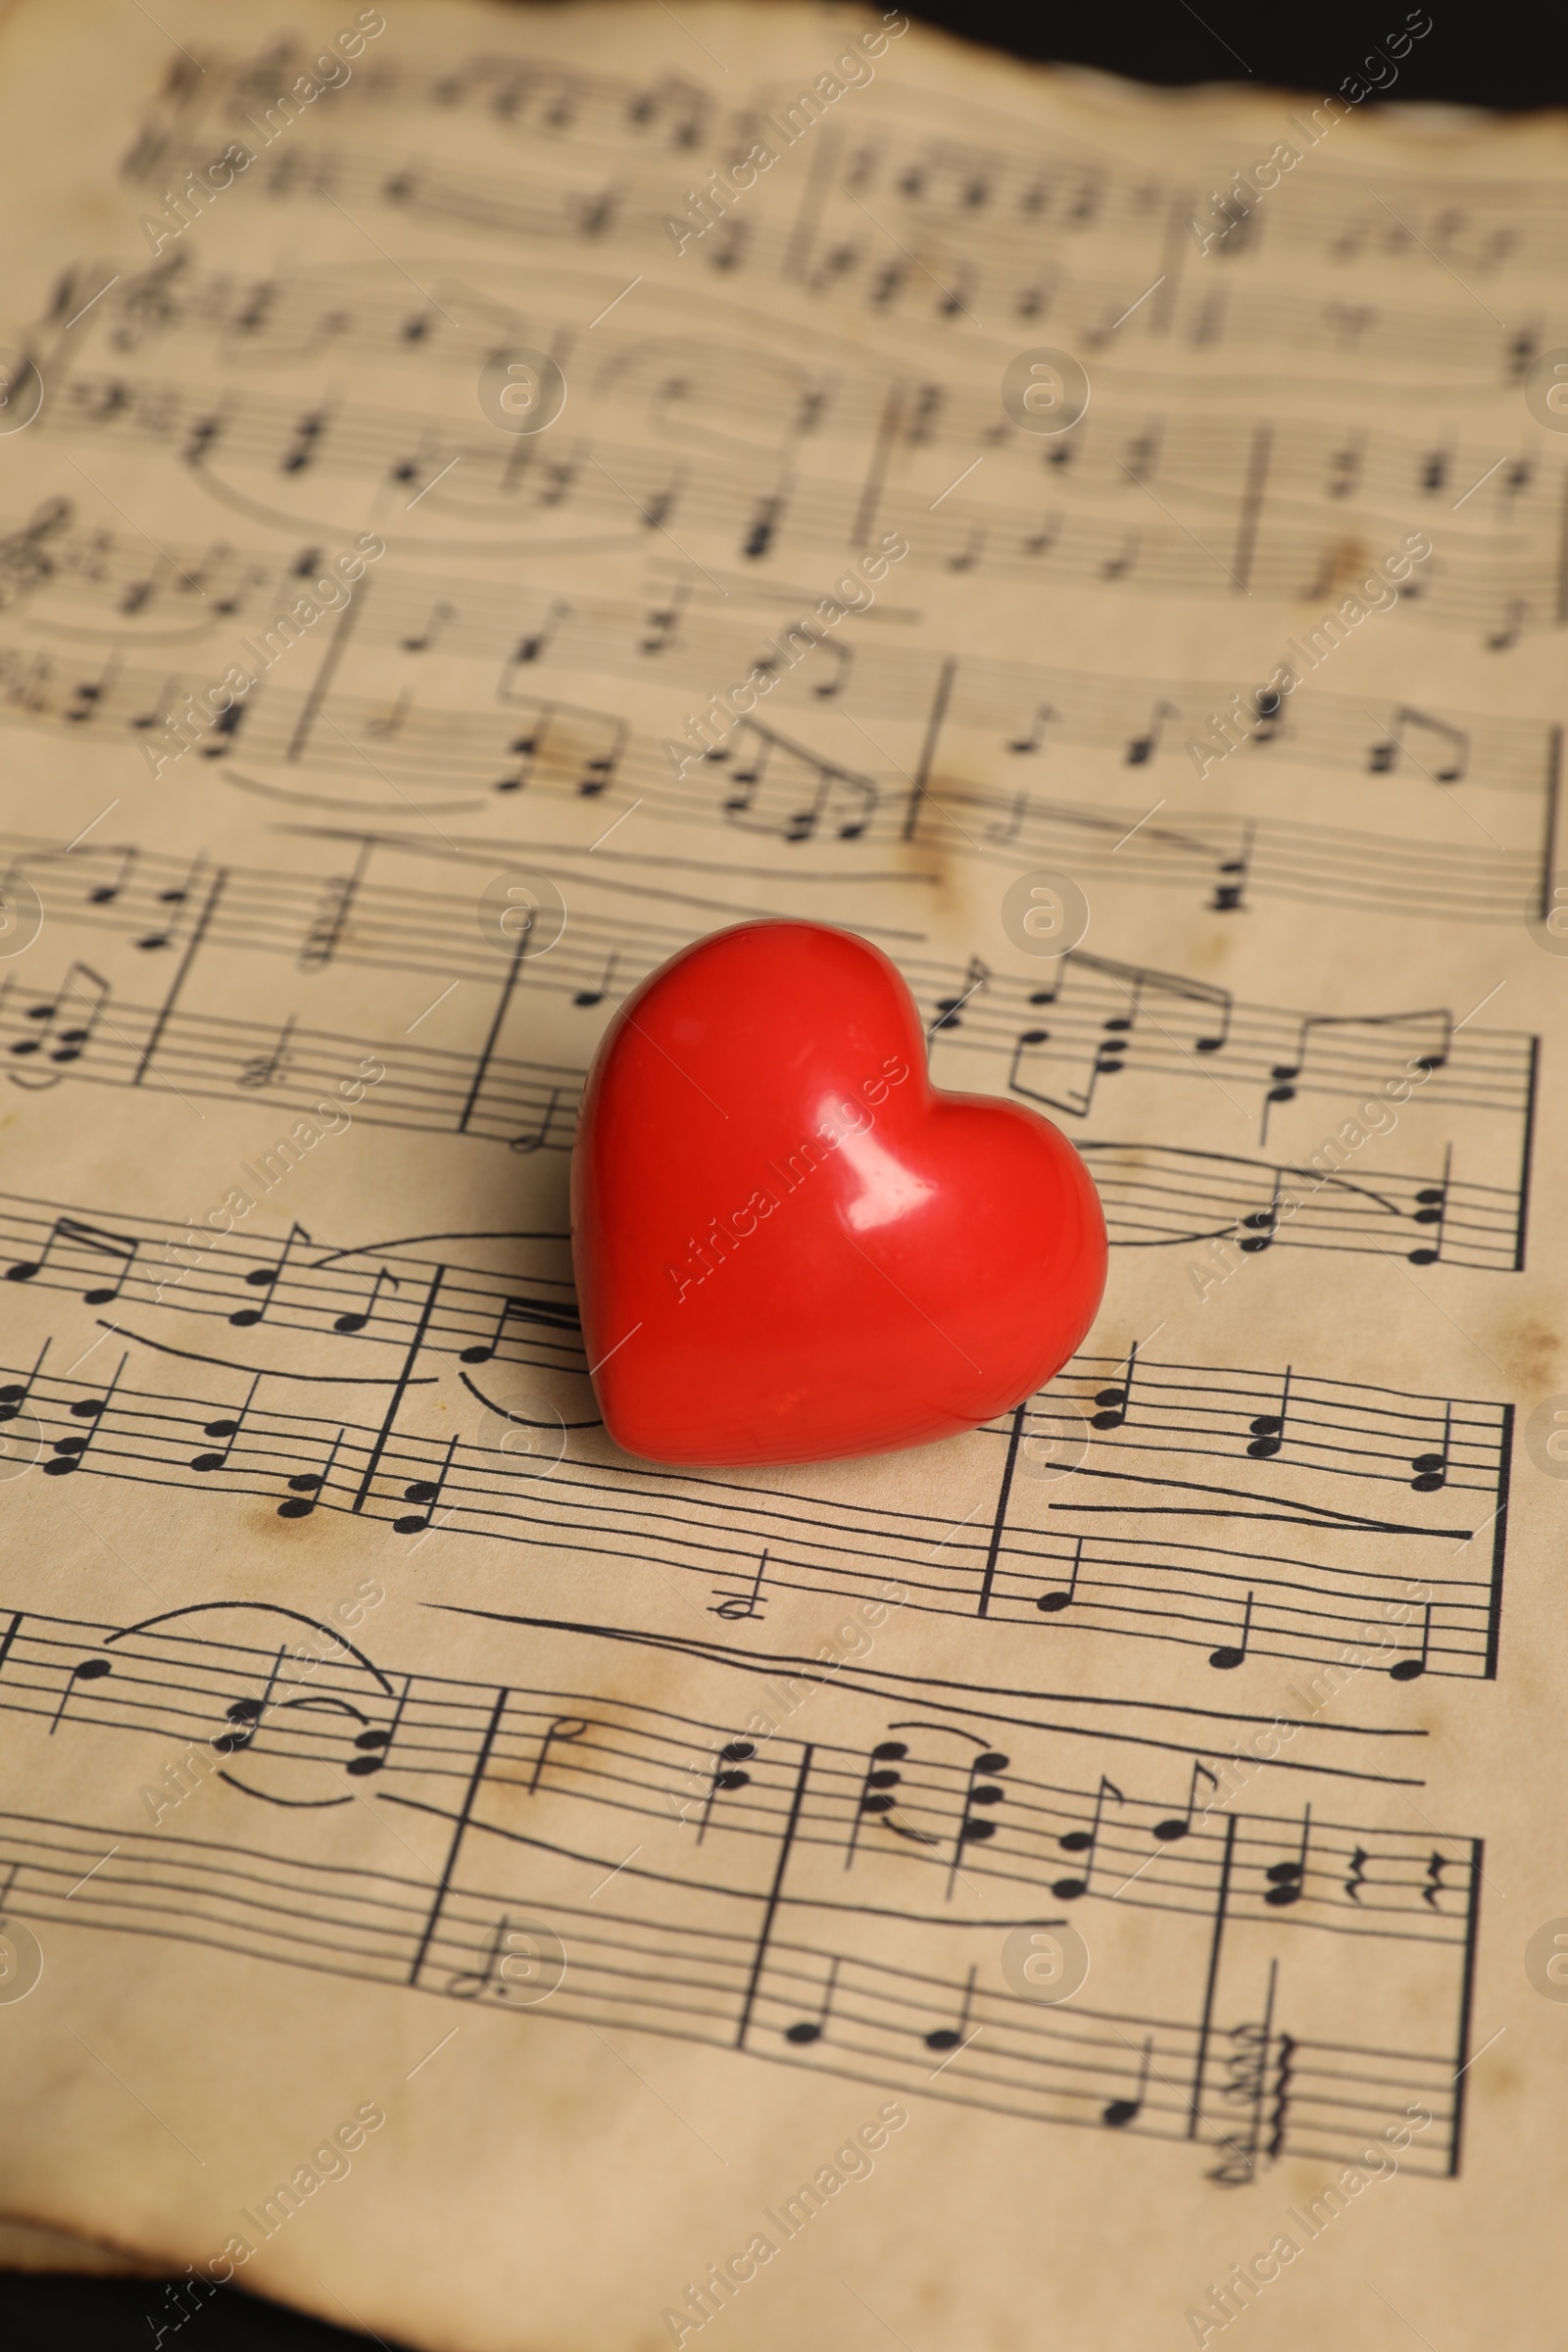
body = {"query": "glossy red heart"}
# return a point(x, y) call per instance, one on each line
point(789, 1246)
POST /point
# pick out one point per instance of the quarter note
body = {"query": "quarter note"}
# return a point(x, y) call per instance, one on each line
point(1268, 1429)
point(375, 1745)
point(1178, 1823)
point(811, 2029)
point(976, 1829)
point(1115, 1402)
point(586, 997)
point(70, 1451)
point(1144, 747)
point(1287, 1879)
point(305, 1486)
point(1230, 1653)
point(948, 2038)
point(226, 1429)
point(1410, 1670)
point(876, 1800)
point(1264, 1223)
point(1086, 1843)
point(1432, 1469)
point(1230, 894)
point(14, 1393)
point(266, 1278)
point(1127, 2111)
point(430, 634)
point(1052, 1603)
point(726, 1775)
point(1432, 1209)
point(426, 1493)
point(1031, 742)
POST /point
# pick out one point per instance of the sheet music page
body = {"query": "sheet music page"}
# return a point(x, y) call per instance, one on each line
point(487, 495)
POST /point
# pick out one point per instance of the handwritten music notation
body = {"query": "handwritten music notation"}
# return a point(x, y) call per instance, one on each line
point(806, 1901)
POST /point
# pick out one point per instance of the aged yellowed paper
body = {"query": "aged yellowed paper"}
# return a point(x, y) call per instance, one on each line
point(486, 496)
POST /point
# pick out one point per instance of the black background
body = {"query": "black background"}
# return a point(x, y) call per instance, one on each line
point(1494, 57)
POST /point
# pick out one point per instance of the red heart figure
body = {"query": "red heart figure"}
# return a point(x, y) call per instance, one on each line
point(788, 1245)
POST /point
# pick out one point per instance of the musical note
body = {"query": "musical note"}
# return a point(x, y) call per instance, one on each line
point(14, 1393)
point(549, 1313)
point(426, 1493)
point(875, 1803)
point(66, 1022)
point(950, 2037)
point(1432, 1209)
point(176, 895)
point(1115, 1402)
point(264, 1069)
point(976, 976)
point(375, 1745)
point(586, 997)
point(726, 1775)
point(1432, 1469)
point(1410, 1670)
point(229, 1430)
point(1085, 1843)
point(1178, 1825)
point(736, 1605)
point(1229, 894)
point(113, 1246)
point(1126, 2111)
point(86, 1670)
point(564, 1727)
point(1031, 742)
point(1451, 747)
point(976, 1829)
point(1146, 746)
point(69, 1451)
point(532, 647)
point(358, 1319)
point(468, 1985)
point(808, 2029)
point(304, 449)
point(266, 1278)
point(1264, 1222)
point(1287, 1879)
point(1052, 1603)
point(536, 1136)
point(1231, 1655)
point(305, 1486)
point(429, 636)
point(1268, 1429)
